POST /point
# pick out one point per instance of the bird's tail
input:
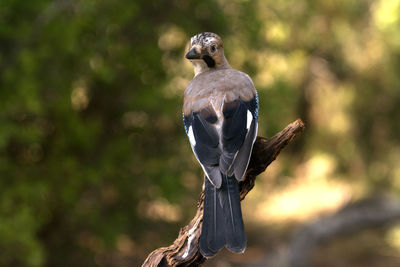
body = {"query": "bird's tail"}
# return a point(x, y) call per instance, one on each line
point(222, 218)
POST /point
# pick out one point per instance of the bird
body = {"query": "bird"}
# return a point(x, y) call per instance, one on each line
point(220, 115)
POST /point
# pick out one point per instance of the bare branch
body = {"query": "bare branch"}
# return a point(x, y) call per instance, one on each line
point(185, 249)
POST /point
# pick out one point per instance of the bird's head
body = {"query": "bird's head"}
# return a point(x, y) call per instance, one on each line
point(206, 52)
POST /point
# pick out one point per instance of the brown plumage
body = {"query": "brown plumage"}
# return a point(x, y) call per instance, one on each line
point(215, 85)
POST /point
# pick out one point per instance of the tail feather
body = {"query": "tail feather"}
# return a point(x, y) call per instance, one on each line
point(212, 237)
point(222, 218)
point(234, 228)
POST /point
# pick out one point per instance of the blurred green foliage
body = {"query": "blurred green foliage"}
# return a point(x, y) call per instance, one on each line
point(95, 168)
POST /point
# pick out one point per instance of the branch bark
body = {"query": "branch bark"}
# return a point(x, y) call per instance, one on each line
point(185, 249)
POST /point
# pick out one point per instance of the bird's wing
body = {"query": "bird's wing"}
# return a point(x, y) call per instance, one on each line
point(204, 139)
point(239, 130)
point(228, 150)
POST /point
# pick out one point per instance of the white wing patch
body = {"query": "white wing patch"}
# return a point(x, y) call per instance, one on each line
point(248, 123)
point(249, 119)
point(191, 136)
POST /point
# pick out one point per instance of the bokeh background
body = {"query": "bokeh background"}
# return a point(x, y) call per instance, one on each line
point(95, 167)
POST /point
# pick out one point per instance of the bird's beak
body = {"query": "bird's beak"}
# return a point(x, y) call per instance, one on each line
point(193, 54)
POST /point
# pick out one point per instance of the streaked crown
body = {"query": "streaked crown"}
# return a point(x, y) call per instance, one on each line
point(205, 38)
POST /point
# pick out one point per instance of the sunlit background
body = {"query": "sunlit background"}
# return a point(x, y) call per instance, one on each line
point(95, 167)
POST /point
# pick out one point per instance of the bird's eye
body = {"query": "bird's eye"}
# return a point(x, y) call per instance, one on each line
point(213, 48)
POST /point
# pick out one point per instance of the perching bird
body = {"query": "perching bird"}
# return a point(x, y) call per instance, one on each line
point(220, 116)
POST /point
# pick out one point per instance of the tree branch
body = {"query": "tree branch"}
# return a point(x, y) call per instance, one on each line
point(185, 249)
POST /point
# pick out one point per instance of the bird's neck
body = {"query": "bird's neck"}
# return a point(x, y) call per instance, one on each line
point(201, 66)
